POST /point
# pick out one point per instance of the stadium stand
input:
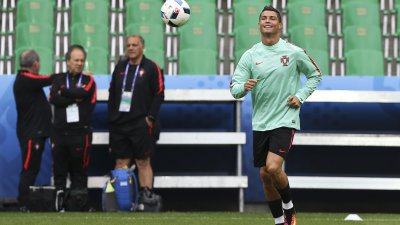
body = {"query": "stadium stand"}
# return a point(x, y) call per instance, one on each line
point(35, 11)
point(237, 12)
point(198, 61)
point(97, 60)
point(34, 35)
point(90, 35)
point(362, 37)
point(345, 2)
point(361, 13)
point(364, 62)
point(309, 37)
point(203, 12)
point(143, 11)
point(198, 36)
point(306, 13)
point(88, 11)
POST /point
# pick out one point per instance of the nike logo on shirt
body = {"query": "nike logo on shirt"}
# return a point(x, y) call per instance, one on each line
point(258, 63)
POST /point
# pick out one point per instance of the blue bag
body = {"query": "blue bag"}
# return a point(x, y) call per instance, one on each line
point(121, 191)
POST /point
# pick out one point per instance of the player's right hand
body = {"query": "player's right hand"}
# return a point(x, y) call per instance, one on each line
point(250, 83)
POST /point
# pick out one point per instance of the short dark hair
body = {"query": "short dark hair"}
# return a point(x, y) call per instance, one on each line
point(139, 36)
point(73, 47)
point(271, 8)
point(27, 58)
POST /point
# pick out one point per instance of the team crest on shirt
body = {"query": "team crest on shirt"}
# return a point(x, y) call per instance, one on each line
point(285, 60)
point(141, 72)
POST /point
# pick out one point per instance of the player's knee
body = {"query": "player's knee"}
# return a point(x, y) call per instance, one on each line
point(272, 169)
point(121, 163)
point(143, 163)
point(265, 178)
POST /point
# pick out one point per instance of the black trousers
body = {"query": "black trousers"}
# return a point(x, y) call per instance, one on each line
point(31, 153)
point(71, 156)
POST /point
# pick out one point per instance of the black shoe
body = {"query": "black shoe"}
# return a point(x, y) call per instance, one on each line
point(149, 201)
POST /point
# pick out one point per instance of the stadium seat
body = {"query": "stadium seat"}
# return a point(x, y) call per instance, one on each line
point(153, 33)
point(360, 13)
point(362, 37)
point(90, 35)
point(246, 37)
point(264, 2)
point(321, 58)
point(345, 2)
point(34, 35)
point(35, 11)
point(155, 54)
point(197, 61)
point(246, 13)
point(88, 11)
point(312, 1)
point(46, 59)
point(202, 12)
point(397, 6)
point(97, 61)
point(143, 11)
point(309, 37)
point(364, 62)
point(306, 13)
point(198, 36)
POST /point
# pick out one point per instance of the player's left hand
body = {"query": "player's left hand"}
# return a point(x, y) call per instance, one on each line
point(293, 102)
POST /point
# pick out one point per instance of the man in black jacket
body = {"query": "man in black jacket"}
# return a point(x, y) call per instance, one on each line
point(73, 95)
point(33, 120)
point(135, 96)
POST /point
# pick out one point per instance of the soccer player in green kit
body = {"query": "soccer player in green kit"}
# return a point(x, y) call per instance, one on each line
point(271, 70)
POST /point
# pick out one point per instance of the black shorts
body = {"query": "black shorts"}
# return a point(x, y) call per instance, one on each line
point(131, 146)
point(278, 141)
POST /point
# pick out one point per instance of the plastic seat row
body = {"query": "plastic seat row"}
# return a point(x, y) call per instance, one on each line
point(35, 30)
point(362, 37)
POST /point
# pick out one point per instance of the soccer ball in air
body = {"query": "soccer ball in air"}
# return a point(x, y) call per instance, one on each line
point(175, 13)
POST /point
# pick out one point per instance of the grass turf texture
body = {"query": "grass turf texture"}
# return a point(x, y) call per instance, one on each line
point(198, 218)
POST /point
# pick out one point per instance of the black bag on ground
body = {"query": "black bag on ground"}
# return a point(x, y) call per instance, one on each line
point(76, 200)
point(41, 199)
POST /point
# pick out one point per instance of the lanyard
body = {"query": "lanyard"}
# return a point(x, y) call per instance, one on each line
point(134, 78)
point(67, 80)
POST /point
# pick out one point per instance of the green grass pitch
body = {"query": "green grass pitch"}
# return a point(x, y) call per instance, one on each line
point(187, 218)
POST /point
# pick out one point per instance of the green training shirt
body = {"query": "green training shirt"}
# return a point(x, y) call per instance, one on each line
point(279, 68)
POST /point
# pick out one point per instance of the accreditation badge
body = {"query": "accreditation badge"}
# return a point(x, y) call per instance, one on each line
point(126, 100)
point(72, 113)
